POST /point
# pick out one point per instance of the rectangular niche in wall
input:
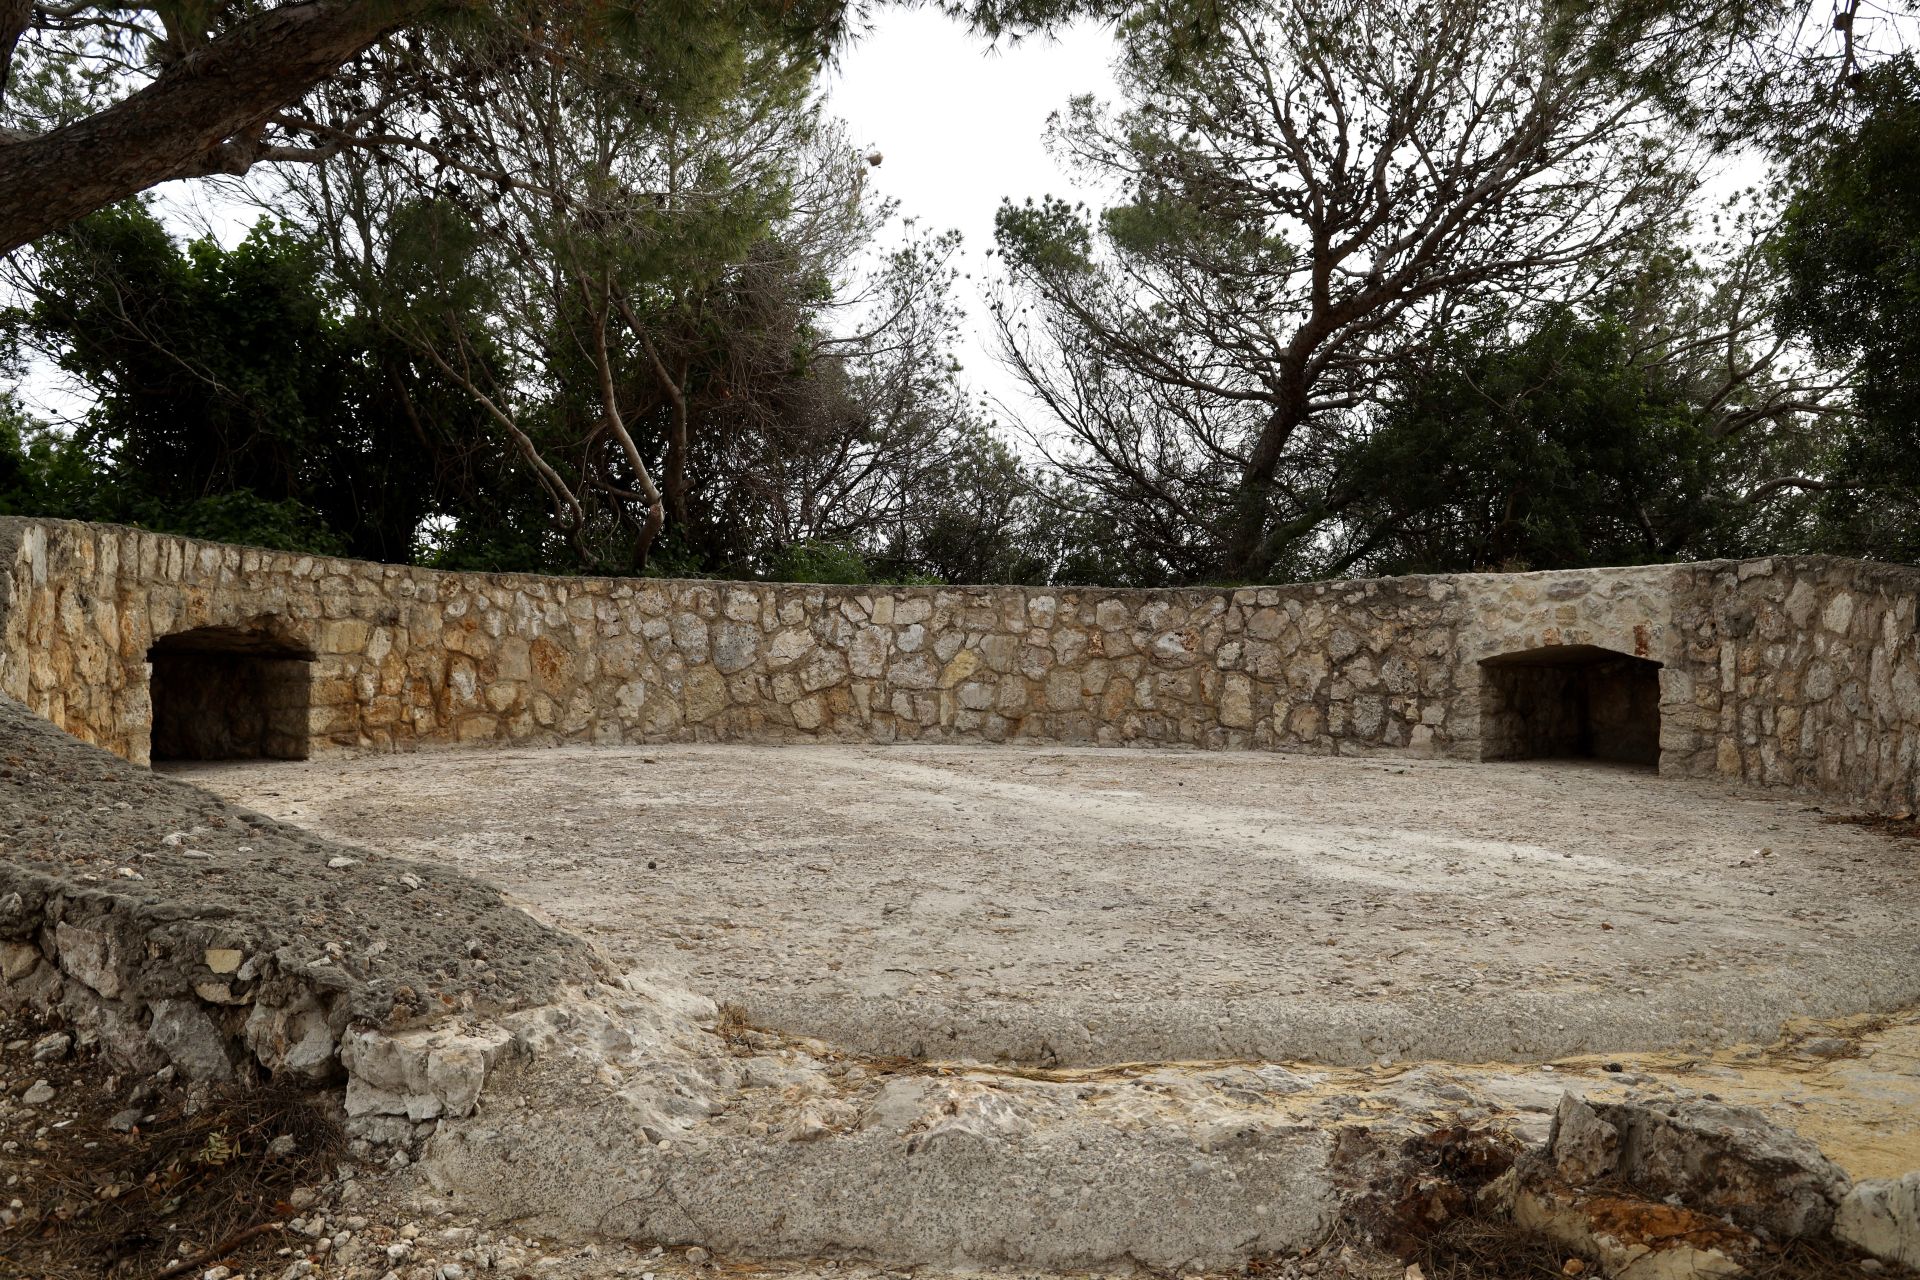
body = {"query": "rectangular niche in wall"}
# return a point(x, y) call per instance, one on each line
point(229, 693)
point(1570, 701)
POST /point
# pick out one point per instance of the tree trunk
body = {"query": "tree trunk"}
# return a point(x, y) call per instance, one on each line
point(15, 17)
point(1249, 557)
point(191, 121)
point(679, 444)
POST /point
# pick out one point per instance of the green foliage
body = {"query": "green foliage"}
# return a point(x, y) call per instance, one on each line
point(1850, 249)
point(500, 539)
point(240, 517)
point(41, 474)
point(1052, 235)
point(1298, 207)
point(973, 519)
point(824, 562)
point(44, 473)
point(1559, 450)
point(235, 400)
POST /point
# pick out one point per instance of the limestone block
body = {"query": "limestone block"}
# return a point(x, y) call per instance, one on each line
point(1236, 701)
point(1801, 601)
point(706, 694)
point(514, 661)
point(1063, 690)
point(1905, 687)
point(183, 1031)
point(689, 635)
point(1632, 1239)
point(735, 645)
point(788, 645)
point(1882, 1217)
point(421, 1074)
point(1368, 716)
point(976, 695)
point(1175, 647)
point(746, 688)
point(1266, 624)
point(825, 668)
point(1838, 615)
point(1034, 661)
point(343, 636)
point(999, 651)
point(297, 1039)
point(17, 960)
point(1819, 683)
point(1731, 1161)
point(1583, 1147)
point(962, 664)
point(1070, 646)
point(91, 954)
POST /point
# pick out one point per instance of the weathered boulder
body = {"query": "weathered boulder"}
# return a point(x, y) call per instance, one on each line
point(296, 1039)
point(1584, 1148)
point(1881, 1216)
point(1730, 1161)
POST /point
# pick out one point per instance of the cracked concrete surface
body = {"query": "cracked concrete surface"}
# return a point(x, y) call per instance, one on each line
point(1074, 906)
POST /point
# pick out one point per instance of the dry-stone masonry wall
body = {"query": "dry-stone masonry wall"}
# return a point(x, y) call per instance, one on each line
point(1794, 672)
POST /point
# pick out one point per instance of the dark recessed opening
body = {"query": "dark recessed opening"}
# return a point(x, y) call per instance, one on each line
point(229, 693)
point(1570, 701)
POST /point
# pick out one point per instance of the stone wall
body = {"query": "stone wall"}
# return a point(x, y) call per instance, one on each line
point(1803, 673)
point(1799, 673)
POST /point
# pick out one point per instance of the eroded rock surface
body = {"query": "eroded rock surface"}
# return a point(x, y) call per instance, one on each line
point(177, 928)
point(598, 1106)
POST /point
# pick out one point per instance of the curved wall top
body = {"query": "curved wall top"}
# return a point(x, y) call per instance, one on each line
point(1795, 672)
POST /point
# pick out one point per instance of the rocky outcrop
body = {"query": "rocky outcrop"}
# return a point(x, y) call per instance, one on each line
point(1691, 1189)
point(1724, 1160)
point(176, 930)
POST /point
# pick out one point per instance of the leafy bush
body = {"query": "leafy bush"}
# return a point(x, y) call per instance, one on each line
point(823, 562)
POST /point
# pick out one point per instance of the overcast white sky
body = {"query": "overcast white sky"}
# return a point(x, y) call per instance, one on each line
point(960, 126)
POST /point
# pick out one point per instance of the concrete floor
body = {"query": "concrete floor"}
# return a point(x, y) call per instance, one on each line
point(1071, 906)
